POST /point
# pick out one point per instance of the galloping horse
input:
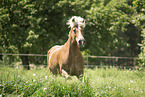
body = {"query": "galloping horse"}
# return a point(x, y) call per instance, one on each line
point(67, 59)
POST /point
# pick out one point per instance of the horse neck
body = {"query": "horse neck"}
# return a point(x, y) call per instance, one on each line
point(71, 43)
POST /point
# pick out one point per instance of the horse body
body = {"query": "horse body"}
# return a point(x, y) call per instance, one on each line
point(67, 59)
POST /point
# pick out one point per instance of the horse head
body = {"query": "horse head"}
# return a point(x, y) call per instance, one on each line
point(77, 25)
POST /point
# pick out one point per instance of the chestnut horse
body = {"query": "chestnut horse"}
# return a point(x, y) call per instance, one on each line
point(67, 59)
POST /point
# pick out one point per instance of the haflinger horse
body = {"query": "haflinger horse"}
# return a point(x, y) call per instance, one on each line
point(67, 59)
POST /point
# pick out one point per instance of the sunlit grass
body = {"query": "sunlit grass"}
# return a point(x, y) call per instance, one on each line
point(96, 82)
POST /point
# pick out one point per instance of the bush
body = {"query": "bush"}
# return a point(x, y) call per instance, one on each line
point(142, 53)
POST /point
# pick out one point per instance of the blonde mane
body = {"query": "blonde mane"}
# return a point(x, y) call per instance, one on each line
point(76, 20)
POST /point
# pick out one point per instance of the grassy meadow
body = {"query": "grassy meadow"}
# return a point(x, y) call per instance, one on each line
point(98, 82)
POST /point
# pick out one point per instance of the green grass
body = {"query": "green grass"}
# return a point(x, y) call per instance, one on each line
point(96, 83)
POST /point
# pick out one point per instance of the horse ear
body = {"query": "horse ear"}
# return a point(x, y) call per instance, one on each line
point(83, 21)
point(73, 20)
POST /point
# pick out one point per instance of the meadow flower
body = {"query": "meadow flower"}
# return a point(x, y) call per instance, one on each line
point(26, 81)
point(34, 74)
point(131, 81)
point(141, 91)
point(34, 80)
point(18, 75)
point(45, 77)
point(44, 89)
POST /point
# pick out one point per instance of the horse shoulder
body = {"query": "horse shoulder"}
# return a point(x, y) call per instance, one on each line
point(63, 53)
point(52, 55)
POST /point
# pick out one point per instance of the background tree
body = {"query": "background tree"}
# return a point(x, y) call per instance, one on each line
point(32, 27)
point(139, 21)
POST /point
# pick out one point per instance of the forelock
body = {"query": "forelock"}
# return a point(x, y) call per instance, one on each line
point(76, 20)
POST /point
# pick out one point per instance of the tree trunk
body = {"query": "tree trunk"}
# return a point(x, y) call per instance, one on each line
point(1, 57)
point(25, 62)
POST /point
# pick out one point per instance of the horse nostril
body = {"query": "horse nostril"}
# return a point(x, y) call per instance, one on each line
point(84, 40)
point(81, 42)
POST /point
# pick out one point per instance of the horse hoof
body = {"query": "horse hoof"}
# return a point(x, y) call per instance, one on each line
point(69, 78)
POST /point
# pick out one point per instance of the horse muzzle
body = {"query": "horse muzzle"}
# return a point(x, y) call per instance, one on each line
point(81, 43)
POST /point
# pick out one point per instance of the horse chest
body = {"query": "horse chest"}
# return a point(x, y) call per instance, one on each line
point(75, 58)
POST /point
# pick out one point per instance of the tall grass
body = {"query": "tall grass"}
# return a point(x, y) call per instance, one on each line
point(95, 83)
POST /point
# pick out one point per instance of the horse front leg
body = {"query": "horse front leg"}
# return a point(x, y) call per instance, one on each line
point(63, 72)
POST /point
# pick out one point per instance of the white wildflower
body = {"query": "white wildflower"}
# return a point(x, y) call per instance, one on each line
point(26, 81)
point(34, 80)
point(141, 91)
point(44, 89)
point(131, 81)
point(45, 77)
point(34, 74)
point(18, 75)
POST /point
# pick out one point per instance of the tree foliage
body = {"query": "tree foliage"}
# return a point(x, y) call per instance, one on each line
point(33, 26)
point(140, 22)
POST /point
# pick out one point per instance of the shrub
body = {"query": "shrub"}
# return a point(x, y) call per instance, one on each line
point(142, 53)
